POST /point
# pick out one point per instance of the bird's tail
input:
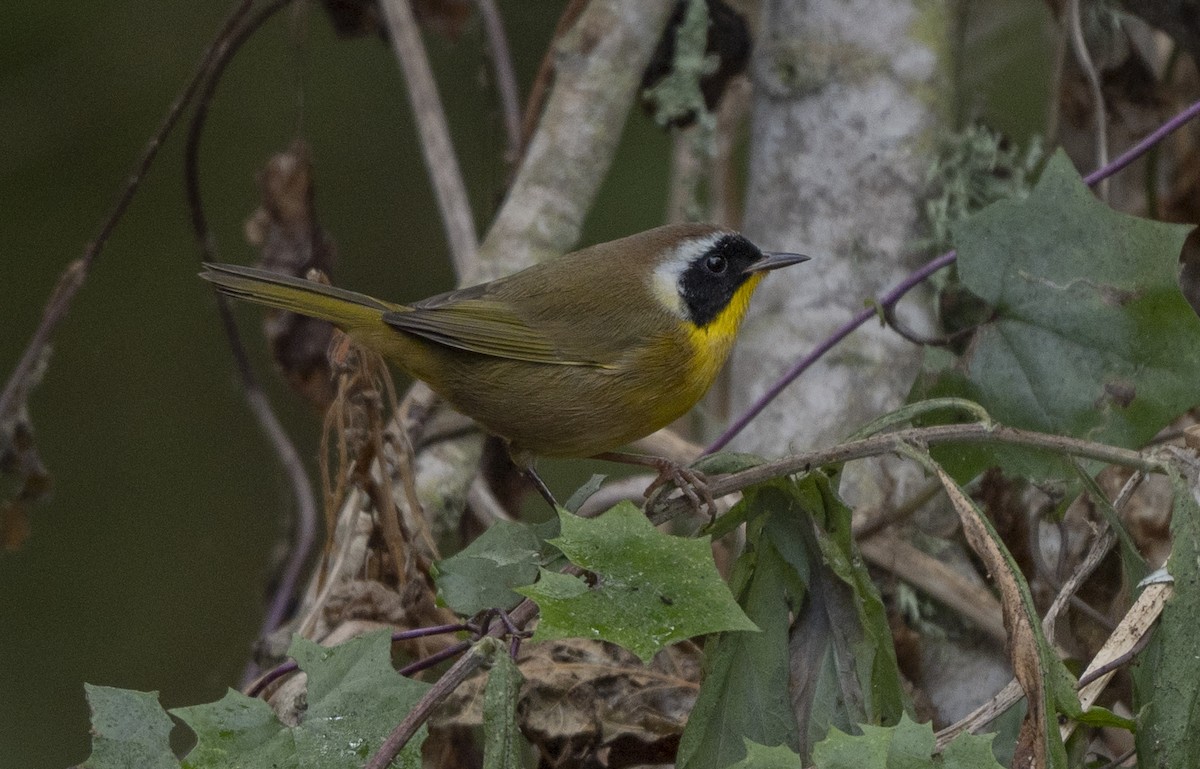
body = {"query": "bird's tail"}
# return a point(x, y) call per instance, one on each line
point(348, 310)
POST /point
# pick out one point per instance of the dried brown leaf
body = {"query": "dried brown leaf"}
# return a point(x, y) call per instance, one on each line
point(19, 458)
point(594, 703)
point(285, 230)
point(1023, 644)
point(1130, 633)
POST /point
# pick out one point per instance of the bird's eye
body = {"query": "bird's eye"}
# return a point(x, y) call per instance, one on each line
point(715, 264)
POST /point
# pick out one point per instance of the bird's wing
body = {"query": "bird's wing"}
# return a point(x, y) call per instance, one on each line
point(481, 325)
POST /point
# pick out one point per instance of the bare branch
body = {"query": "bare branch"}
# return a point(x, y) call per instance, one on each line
point(542, 81)
point(447, 683)
point(305, 525)
point(1084, 59)
point(888, 443)
point(598, 72)
point(506, 79)
point(440, 159)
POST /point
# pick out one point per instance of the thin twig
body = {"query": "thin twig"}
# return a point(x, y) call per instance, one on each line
point(868, 526)
point(889, 442)
point(1145, 145)
point(440, 160)
point(24, 378)
point(445, 685)
point(1097, 616)
point(1084, 59)
point(433, 659)
point(290, 666)
point(76, 272)
point(1120, 760)
point(506, 79)
point(449, 681)
point(306, 508)
point(191, 156)
point(912, 335)
point(1099, 549)
point(256, 398)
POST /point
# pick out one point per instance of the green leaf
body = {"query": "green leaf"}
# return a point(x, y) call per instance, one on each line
point(745, 693)
point(915, 410)
point(941, 378)
point(651, 589)
point(907, 745)
point(583, 492)
point(970, 751)
point(482, 574)
point(1090, 335)
point(1098, 717)
point(503, 744)
point(128, 729)
point(861, 658)
point(355, 699)
point(236, 731)
point(840, 639)
point(824, 631)
point(1167, 691)
point(764, 757)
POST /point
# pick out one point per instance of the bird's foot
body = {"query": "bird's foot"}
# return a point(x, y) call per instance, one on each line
point(691, 483)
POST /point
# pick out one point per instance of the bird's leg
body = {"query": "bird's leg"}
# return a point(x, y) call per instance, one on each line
point(524, 462)
point(691, 483)
point(540, 485)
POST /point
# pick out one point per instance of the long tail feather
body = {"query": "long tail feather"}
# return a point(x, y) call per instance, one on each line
point(347, 309)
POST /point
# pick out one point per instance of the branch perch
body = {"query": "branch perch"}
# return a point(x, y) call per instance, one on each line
point(888, 443)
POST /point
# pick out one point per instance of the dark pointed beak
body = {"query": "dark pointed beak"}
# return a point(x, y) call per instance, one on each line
point(773, 260)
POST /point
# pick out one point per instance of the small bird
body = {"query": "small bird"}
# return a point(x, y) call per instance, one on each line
point(573, 357)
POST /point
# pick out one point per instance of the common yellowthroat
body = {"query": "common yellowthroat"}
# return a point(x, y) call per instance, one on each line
point(572, 357)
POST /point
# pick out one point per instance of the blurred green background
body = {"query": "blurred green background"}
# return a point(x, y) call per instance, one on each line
point(146, 569)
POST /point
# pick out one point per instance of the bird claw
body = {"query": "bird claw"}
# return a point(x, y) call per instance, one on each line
point(692, 484)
